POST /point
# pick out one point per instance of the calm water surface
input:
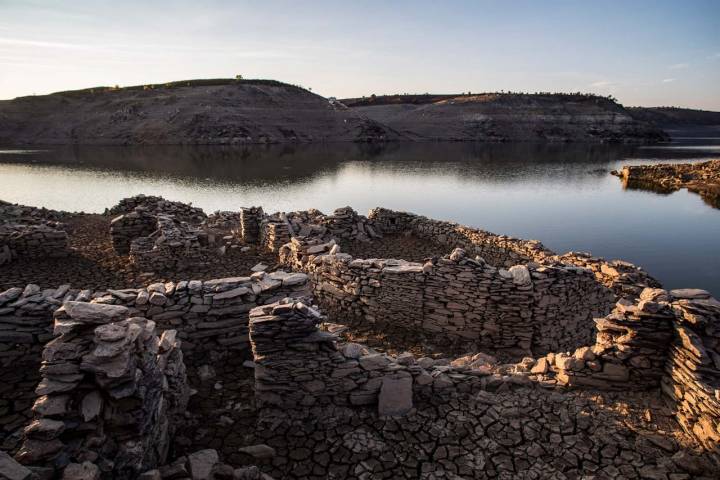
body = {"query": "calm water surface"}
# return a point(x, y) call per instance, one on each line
point(562, 195)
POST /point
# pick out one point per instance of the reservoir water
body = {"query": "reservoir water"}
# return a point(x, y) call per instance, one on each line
point(562, 195)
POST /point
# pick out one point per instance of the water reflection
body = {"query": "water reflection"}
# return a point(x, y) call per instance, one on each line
point(561, 194)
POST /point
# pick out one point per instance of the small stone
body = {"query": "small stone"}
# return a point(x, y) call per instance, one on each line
point(396, 395)
point(540, 367)
point(206, 372)
point(12, 470)
point(91, 405)
point(258, 451)
point(94, 312)
point(81, 471)
point(201, 463)
point(374, 362)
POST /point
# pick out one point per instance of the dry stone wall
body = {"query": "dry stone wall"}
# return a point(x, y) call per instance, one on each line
point(298, 366)
point(662, 337)
point(31, 241)
point(250, 219)
point(497, 250)
point(211, 316)
point(110, 394)
point(129, 226)
point(544, 308)
point(274, 233)
point(25, 326)
point(692, 370)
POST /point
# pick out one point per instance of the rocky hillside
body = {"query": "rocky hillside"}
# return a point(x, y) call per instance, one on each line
point(674, 116)
point(190, 112)
point(229, 111)
point(507, 117)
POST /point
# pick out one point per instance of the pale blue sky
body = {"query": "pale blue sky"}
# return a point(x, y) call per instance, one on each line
point(643, 52)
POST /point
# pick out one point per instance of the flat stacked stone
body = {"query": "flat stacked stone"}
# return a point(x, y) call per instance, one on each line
point(692, 378)
point(250, 220)
point(110, 392)
point(274, 233)
point(26, 319)
point(299, 366)
point(32, 241)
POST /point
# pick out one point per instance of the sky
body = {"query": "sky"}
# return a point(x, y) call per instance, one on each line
point(643, 52)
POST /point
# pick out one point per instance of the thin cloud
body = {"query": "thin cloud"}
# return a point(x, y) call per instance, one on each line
point(668, 80)
point(603, 84)
point(679, 66)
point(37, 43)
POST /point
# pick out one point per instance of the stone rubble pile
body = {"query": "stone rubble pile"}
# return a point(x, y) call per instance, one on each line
point(15, 213)
point(345, 223)
point(110, 394)
point(157, 205)
point(174, 245)
point(625, 280)
point(223, 220)
point(692, 377)
point(307, 223)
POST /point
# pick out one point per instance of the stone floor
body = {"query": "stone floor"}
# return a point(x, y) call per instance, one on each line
point(521, 432)
point(93, 263)
point(403, 247)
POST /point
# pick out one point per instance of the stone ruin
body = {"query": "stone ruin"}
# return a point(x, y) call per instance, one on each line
point(111, 392)
point(161, 235)
point(99, 382)
point(32, 233)
point(108, 367)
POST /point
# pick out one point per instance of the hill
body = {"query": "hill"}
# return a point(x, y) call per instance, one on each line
point(216, 111)
point(675, 116)
point(506, 117)
point(229, 111)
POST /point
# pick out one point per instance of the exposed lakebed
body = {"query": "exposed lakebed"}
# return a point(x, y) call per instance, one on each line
point(562, 195)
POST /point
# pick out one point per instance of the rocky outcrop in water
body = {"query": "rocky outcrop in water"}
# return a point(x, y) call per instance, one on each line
point(702, 178)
